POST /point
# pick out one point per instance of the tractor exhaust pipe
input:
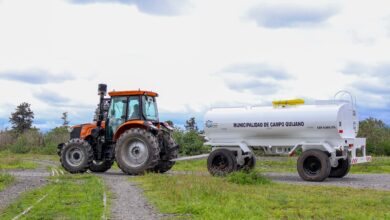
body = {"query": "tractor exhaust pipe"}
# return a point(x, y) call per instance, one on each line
point(102, 91)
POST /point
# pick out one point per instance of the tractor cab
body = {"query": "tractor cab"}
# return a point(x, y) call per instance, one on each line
point(130, 107)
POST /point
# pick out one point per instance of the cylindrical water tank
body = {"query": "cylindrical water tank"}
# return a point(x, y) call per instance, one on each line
point(337, 120)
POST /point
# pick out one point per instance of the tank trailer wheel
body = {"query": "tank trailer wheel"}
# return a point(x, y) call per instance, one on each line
point(137, 151)
point(76, 156)
point(221, 162)
point(250, 164)
point(313, 165)
point(342, 169)
point(100, 166)
point(172, 153)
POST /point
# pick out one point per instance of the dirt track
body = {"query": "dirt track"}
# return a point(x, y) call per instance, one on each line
point(25, 180)
point(128, 201)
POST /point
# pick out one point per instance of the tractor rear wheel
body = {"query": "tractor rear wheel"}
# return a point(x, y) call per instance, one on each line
point(171, 152)
point(76, 156)
point(137, 151)
point(313, 165)
point(221, 162)
point(100, 166)
point(342, 169)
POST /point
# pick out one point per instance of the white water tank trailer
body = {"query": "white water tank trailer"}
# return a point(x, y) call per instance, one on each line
point(324, 134)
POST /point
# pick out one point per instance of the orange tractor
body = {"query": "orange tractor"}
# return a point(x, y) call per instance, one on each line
point(128, 130)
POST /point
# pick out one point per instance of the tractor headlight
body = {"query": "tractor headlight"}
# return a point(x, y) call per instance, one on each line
point(70, 129)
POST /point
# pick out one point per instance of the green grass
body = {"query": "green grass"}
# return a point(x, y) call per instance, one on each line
point(73, 197)
point(265, 164)
point(378, 165)
point(247, 178)
point(288, 164)
point(9, 160)
point(5, 180)
point(13, 161)
point(206, 197)
point(276, 164)
point(191, 165)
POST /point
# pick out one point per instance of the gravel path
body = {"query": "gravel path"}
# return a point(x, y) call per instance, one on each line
point(128, 201)
point(367, 181)
point(25, 180)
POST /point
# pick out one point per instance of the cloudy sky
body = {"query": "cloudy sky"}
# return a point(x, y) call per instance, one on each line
point(196, 54)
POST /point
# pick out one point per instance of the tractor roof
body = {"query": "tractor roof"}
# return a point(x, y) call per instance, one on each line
point(134, 92)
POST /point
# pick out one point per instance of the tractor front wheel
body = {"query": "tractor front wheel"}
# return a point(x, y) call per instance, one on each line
point(76, 156)
point(137, 151)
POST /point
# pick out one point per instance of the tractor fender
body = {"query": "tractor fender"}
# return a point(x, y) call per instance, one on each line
point(134, 124)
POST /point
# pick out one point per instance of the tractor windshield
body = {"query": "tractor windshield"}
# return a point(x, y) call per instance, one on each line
point(149, 107)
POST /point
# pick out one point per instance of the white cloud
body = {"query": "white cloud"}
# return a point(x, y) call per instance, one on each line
point(290, 15)
point(180, 57)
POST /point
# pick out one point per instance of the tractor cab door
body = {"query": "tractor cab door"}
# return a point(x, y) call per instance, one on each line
point(116, 115)
point(122, 109)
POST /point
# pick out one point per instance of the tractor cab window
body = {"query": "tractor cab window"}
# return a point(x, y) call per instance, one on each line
point(134, 107)
point(149, 107)
point(117, 113)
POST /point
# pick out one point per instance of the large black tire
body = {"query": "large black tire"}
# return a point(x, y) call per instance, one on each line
point(172, 151)
point(342, 169)
point(313, 165)
point(100, 166)
point(221, 162)
point(250, 163)
point(76, 156)
point(136, 151)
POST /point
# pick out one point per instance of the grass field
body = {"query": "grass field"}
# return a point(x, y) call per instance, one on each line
point(10, 160)
point(206, 197)
point(14, 161)
point(197, 196)
point(378, 165)
point(288, 164)
point(72, 197)
point(5, 180)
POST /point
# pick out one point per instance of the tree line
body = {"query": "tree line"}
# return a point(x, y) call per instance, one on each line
point(377, 134)
point(23, 137)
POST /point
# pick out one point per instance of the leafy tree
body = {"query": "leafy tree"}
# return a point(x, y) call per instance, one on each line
point(22, 118)
point(191, 125)
point(377, 134)
point(190, 142)
point(65, 120)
